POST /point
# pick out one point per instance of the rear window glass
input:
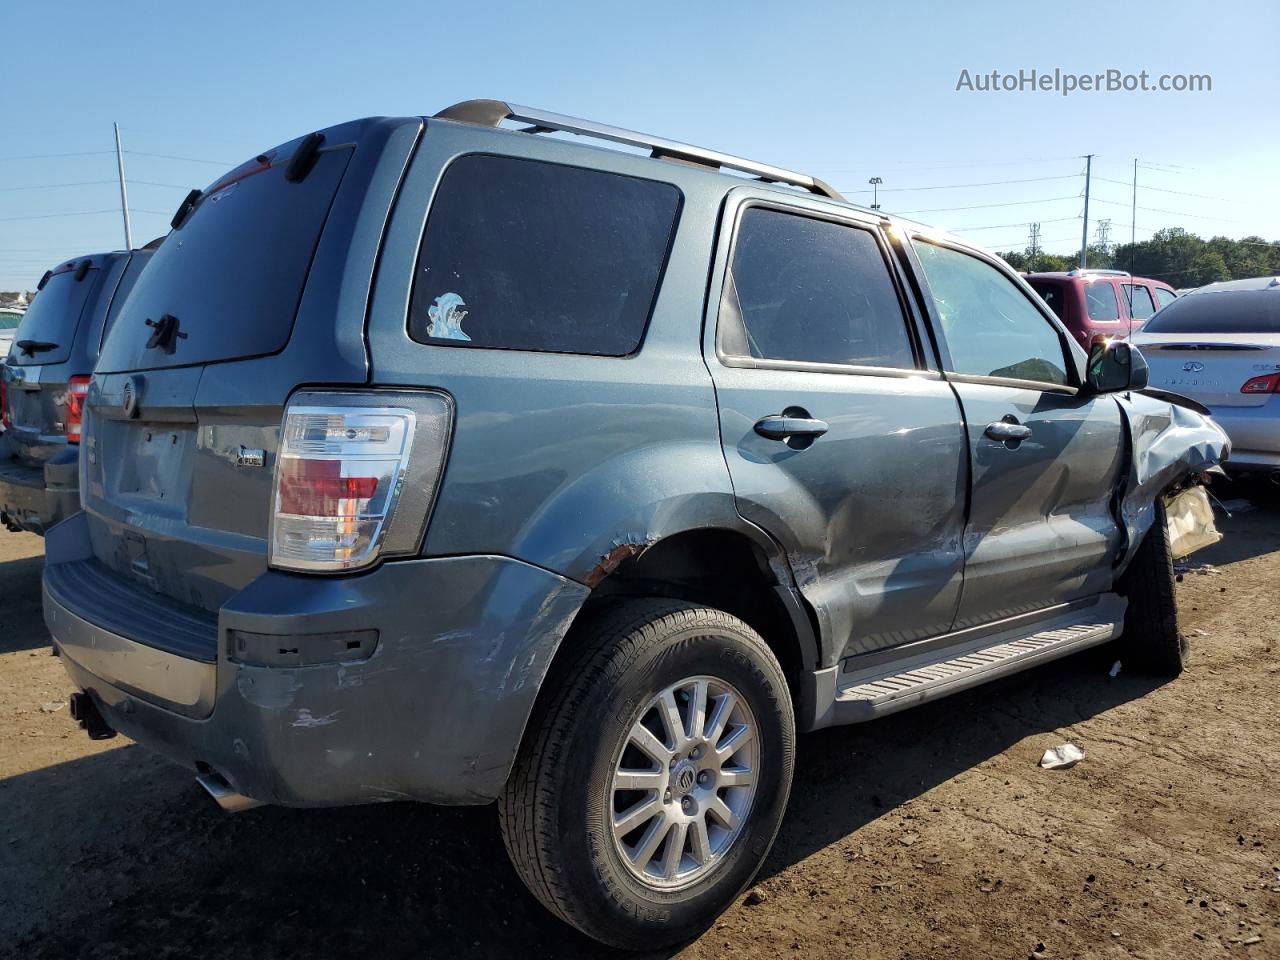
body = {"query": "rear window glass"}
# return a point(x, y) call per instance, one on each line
point(526, 255)
point(53, 318)
point(1141, 305)
point(232, 274)
point(1234, 311)
point(1051, 293)
point(1102, 301)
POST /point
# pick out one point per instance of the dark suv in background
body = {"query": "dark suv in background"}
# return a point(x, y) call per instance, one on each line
point(1101, 303)
point(44, 380)
point(430, 460)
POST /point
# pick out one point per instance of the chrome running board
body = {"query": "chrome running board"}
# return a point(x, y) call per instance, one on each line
point(866, 691)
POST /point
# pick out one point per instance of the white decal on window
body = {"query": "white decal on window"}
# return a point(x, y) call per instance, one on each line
point(446, 316)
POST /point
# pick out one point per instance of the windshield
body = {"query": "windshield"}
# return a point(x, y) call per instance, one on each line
point(52, 319)
point(1226, 311)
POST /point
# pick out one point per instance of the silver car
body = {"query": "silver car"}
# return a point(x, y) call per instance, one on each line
point(1220, 345)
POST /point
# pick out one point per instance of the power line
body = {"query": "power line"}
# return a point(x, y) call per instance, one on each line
point(1181, 193)
point(1001, 226)
point(82, 213)
point(1172, 213)
point(958, 186)
point(54, 156)
point(912, 167)
point(169, 156)
point(983, 206)
point(55, 186)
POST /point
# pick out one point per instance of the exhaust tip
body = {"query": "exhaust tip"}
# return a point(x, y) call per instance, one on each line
point(217, 787)
point(1274, 477)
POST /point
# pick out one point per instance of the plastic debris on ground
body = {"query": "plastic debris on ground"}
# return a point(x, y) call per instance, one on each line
point(1114, 671)
point(1062, 758)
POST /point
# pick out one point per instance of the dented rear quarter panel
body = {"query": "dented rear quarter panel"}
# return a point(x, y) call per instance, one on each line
point(569, 462)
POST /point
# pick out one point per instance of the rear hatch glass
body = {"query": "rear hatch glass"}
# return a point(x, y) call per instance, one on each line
point(1236, 311)
point(1053, 294)
point(231, 274)
point(51, 321)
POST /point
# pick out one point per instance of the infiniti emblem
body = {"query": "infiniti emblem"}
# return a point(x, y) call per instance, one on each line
point(1193, 366)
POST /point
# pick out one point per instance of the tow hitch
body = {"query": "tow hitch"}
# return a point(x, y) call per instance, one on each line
point(85, 712)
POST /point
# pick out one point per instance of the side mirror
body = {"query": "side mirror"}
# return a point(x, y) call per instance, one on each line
point(1116, 365)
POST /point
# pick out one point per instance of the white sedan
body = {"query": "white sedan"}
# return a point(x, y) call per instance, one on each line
point(1220, 345)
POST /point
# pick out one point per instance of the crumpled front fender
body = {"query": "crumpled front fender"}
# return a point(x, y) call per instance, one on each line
point(1168, 443)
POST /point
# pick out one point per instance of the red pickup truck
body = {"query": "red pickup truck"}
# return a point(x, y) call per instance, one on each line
point(1101, 303)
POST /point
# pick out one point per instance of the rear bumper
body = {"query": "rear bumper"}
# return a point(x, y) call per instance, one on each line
point(1254, 433)
point(436, 713)
point(35, 498)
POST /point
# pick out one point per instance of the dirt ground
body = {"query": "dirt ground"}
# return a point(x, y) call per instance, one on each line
point(928, 834)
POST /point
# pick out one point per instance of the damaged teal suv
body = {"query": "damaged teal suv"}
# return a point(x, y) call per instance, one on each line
point(435, 459)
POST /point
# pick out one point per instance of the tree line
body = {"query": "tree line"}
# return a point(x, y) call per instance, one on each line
point(1179, 258)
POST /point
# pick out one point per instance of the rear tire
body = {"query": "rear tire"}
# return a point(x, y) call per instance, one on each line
point(1152, 642)
point(569, 798)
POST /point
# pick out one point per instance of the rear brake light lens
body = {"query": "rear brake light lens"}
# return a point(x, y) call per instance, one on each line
point(1270, 383)
point(77, 390)
point(355, 477)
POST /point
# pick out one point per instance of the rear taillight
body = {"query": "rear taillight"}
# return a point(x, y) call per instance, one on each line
point(355, 477)
point(77, 390)
point(1269, 383)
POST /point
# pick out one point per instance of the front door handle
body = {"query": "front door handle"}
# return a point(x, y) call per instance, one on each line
point(783, 427)
point(1008, 430)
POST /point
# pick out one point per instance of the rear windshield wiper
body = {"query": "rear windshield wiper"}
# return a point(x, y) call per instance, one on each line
point(32, 347)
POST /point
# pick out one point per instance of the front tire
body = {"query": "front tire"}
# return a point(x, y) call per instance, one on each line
point(654, 778)
point(1152, 642)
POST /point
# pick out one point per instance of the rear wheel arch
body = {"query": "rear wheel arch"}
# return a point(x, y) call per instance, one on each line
point(716, 567)
point(730, 571)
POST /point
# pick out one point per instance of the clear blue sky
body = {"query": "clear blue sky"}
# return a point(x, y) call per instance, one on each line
point(842, 90)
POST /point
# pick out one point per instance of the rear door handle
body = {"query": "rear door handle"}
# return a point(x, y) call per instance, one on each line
point(1008, 430)
point(782, 427)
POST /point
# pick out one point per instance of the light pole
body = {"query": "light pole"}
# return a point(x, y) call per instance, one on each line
point(875, 192)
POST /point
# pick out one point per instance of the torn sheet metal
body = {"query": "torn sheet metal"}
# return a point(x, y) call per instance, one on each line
point(1170, 443)
point(1190, 519)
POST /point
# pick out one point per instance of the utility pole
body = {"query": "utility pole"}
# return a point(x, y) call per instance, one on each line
point(124, 192)
point(1133, 215)
point(875, 192)
point(1033, 248)
point(1084, 238)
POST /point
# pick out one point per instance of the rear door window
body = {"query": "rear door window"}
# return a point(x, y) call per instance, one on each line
point(1141, 305)
point(1101, 298)
point(527, 255)
point(1165, 297)
point(232, 274)
point(811, 291)
point(53, 318)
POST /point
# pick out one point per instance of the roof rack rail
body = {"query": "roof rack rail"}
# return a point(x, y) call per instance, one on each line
point(491, 113)
point(1091, 272)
